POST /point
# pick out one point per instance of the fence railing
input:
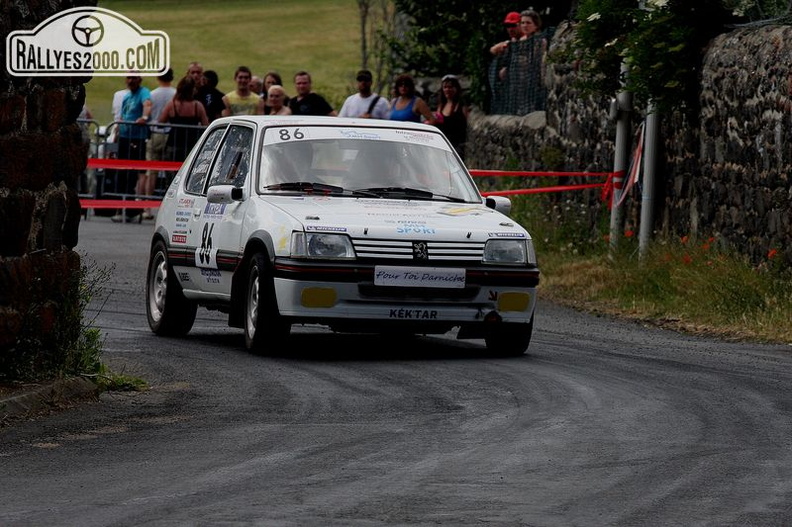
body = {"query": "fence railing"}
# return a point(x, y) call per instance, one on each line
point(106, 178)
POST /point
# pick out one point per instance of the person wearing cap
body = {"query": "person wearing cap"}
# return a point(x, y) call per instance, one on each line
point(502, 58)
point(512, 25)
point(365, 103)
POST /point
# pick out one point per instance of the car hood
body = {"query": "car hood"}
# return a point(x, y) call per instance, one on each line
point(389, 217)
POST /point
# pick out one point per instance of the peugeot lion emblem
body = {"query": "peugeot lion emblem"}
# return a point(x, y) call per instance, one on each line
point(420, 252)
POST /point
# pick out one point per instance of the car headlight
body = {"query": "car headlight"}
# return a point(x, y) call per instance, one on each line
point(516, 252)
point(321, 245)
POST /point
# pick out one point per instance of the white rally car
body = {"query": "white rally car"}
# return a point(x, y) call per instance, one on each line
point(359, 225)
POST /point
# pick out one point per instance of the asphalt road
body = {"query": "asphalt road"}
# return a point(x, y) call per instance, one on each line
point(603, 422)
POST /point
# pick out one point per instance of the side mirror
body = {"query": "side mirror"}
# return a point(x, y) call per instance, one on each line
point(500, 203)
point(224, 194)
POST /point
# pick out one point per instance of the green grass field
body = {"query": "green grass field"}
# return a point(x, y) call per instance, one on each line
point(319, 36)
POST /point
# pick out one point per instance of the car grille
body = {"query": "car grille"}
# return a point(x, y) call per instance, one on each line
point(417, 293)
point(416, 251)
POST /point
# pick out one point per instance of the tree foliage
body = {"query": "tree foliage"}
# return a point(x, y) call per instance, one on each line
point(661, 42)
point(378, 22)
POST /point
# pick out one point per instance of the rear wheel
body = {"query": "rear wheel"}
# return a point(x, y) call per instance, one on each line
point(168, 312)
point(509, 340)
point(265, 329)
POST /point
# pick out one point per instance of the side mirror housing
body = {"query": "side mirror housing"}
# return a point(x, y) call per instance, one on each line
point(500, 203)
point(224, 194)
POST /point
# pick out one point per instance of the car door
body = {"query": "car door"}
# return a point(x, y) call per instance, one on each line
point(215, 228)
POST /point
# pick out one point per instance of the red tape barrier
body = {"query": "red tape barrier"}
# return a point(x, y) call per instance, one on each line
point(131, 164)
point(119, 204)
point(540, 190)
point(498, 173)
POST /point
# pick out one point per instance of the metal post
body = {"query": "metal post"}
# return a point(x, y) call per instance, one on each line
point(649, 168)
point(623, 142)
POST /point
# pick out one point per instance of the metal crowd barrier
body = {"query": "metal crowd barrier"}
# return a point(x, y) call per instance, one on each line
point(103, 181)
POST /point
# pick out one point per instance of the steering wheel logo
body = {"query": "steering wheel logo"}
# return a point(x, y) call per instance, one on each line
point(87, 31)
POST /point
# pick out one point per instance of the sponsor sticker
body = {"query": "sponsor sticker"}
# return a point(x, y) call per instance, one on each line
point(355, 134)
point(212, 276)
point(506, 234)
point(443, 277)
point(214, 210)
point(413, 314)
point(90, 41)
point(414, 228)
point(325, 228)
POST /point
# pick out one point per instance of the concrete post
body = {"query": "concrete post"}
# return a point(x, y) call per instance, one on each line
point(621, 158)
point(649, 168)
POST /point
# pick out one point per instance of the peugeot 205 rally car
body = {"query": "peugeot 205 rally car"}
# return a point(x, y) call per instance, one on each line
point(359, 225)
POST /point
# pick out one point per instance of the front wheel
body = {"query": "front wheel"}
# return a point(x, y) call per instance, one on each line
point(168, 311)
point(265, 329)
point(509, 340)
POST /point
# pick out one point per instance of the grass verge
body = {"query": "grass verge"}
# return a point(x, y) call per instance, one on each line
point(694, 286)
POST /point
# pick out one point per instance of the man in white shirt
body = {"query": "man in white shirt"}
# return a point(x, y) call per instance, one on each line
point(365, 103)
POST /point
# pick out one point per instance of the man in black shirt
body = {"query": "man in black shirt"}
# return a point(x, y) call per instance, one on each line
point(306, 102)
point(210, 96)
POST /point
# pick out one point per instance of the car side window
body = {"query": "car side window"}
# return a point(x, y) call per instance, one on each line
point(203, 160)
point(233, 160)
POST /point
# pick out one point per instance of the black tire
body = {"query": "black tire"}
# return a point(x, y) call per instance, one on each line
point(509, 340)
point(266, 330)
point(169, 313)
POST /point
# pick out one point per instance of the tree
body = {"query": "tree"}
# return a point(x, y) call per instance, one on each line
point(378, 25)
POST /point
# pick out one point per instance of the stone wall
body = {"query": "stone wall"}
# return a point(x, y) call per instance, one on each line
point(725, 176)
point(42, 154)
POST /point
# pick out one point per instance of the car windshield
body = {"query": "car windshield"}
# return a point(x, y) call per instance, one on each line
point(371, 162)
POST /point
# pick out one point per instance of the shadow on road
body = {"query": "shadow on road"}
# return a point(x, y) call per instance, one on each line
point(325, 346)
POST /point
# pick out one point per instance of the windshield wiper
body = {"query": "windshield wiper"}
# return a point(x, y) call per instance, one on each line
point(450, 198)
point(399, 191)
point(311, 187)
point(305, 186)
point(407, 192)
